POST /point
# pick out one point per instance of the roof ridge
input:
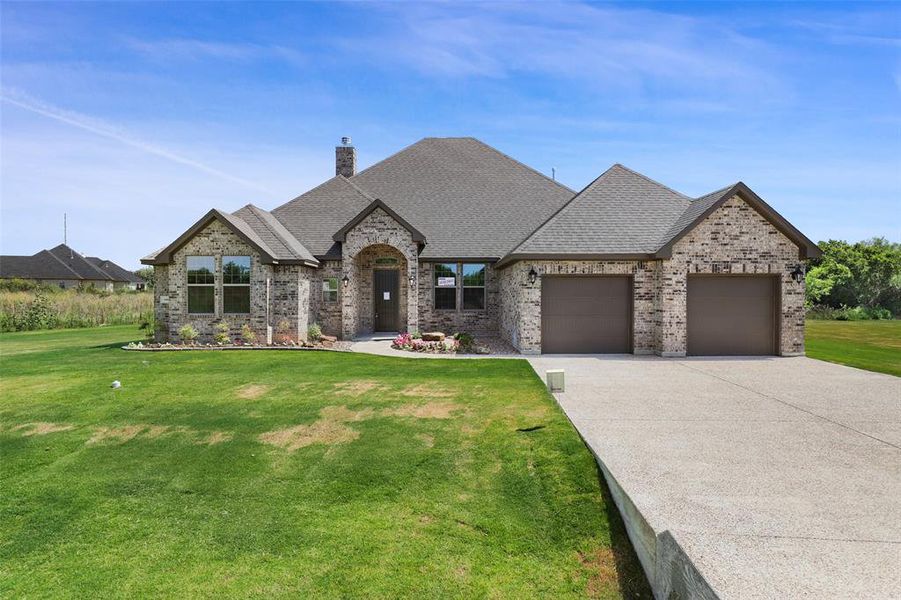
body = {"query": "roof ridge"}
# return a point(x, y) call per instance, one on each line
point(522, 164)
point(278, 229)
point(91, 266)
point(722, 189)
point(654, 181)
point(60, 261)
point(359, 190)
point(561, 209)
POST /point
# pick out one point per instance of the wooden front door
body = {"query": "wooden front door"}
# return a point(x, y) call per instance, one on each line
point(386, 306)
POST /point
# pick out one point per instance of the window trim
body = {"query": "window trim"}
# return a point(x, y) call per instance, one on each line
point(483, 287)
point(190, 285)
point(326, 291)
point(233, 285)
point(435, 287)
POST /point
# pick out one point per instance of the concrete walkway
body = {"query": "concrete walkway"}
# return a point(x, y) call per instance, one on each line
point(748, 478)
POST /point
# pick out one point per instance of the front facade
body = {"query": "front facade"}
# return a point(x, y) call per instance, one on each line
point(451, 235)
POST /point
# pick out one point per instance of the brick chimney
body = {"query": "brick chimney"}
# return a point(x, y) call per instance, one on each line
point(345, 158)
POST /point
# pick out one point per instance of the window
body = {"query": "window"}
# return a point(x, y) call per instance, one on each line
point(446, 286)
point(473, 287)
point(330, 289)
point(236, 284)
point(201, 280)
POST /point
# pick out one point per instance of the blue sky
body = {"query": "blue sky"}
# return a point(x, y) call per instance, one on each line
point(135, 119)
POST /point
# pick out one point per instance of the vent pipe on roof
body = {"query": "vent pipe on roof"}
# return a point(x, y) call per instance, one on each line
point(345, 158)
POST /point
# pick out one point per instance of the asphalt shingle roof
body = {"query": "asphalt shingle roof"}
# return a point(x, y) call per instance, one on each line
point(272, 234)
point(468, 199)
point(317, 215)
point(62, 262)
point(620, 212)
point(113, 270)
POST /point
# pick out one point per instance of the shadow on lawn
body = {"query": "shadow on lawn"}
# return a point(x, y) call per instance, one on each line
point(632, 580)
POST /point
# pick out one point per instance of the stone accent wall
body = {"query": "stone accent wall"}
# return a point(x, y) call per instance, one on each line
point(326, 314)
point(161, 303)
point(733, 239)
point(520, 301)
point(376, 229)
point(276, 292)
point(452, 321)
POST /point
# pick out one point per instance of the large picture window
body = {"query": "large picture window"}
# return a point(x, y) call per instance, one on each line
point(201, 284)
point(330, 289)
point(445, 286)
point(236, 284)
point(473, 287)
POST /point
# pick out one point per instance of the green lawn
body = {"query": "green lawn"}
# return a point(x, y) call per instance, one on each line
point(292, 474)
point(871, 345)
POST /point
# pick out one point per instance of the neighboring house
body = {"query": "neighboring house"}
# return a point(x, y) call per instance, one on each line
point(449, 234)
point(66, 268)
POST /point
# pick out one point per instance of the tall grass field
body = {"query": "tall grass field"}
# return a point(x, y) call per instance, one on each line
point(40, 309)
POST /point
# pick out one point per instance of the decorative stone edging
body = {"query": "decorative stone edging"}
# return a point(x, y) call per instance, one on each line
point(195, 348)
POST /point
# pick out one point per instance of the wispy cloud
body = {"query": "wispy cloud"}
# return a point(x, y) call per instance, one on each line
point(606, 47)
point(186, 49)
point(107, 130)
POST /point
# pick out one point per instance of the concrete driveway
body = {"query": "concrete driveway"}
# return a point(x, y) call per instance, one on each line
point(747, 478)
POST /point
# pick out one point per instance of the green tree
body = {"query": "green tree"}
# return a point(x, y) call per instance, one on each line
point(865, 274)
point(147, 274)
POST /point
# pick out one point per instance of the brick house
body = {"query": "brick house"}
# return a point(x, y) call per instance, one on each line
point(449, 234)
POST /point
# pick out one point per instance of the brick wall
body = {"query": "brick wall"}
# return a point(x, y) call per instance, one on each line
point(376, 229)
point(276, 292)
point(734, 239)
point(520, 301)
point(452, 321)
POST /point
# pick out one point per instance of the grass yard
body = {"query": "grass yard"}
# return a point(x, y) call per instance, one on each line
point(871, 345)
point(295, 474)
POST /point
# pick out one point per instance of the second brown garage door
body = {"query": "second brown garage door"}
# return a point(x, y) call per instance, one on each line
point(731, 315)
point(586, 315)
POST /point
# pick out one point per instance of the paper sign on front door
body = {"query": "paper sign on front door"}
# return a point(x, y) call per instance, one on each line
point(386, 295)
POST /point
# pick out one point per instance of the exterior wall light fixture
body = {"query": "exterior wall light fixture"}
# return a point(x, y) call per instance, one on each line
point(798, 274)
point(345, 280)
point(533, 275)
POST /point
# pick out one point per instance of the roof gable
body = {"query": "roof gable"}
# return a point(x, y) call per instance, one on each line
point(376, 204)
point(263, 244)
point(701, 208)
point(316, 215)
point(620, 214)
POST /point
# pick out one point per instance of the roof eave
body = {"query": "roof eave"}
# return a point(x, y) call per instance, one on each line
point(519, 257)
point(165, 255)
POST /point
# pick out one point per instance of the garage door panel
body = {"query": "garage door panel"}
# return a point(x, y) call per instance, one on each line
point(586, 315)
point(731, 315)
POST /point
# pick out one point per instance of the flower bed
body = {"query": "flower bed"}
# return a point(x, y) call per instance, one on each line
point(406, 341)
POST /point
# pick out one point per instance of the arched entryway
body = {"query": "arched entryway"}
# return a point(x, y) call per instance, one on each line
point(382, 291)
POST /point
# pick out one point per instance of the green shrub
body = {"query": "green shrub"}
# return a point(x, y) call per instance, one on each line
point(314, 332)
point(283, 331)
point(149, 327)
point(221, 336)
point(465, 341)
point(248, 335)
point(861, 313)
point(188, 334)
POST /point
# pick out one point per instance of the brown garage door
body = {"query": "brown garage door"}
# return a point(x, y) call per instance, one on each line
point(731, 315)
point(586, 315)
